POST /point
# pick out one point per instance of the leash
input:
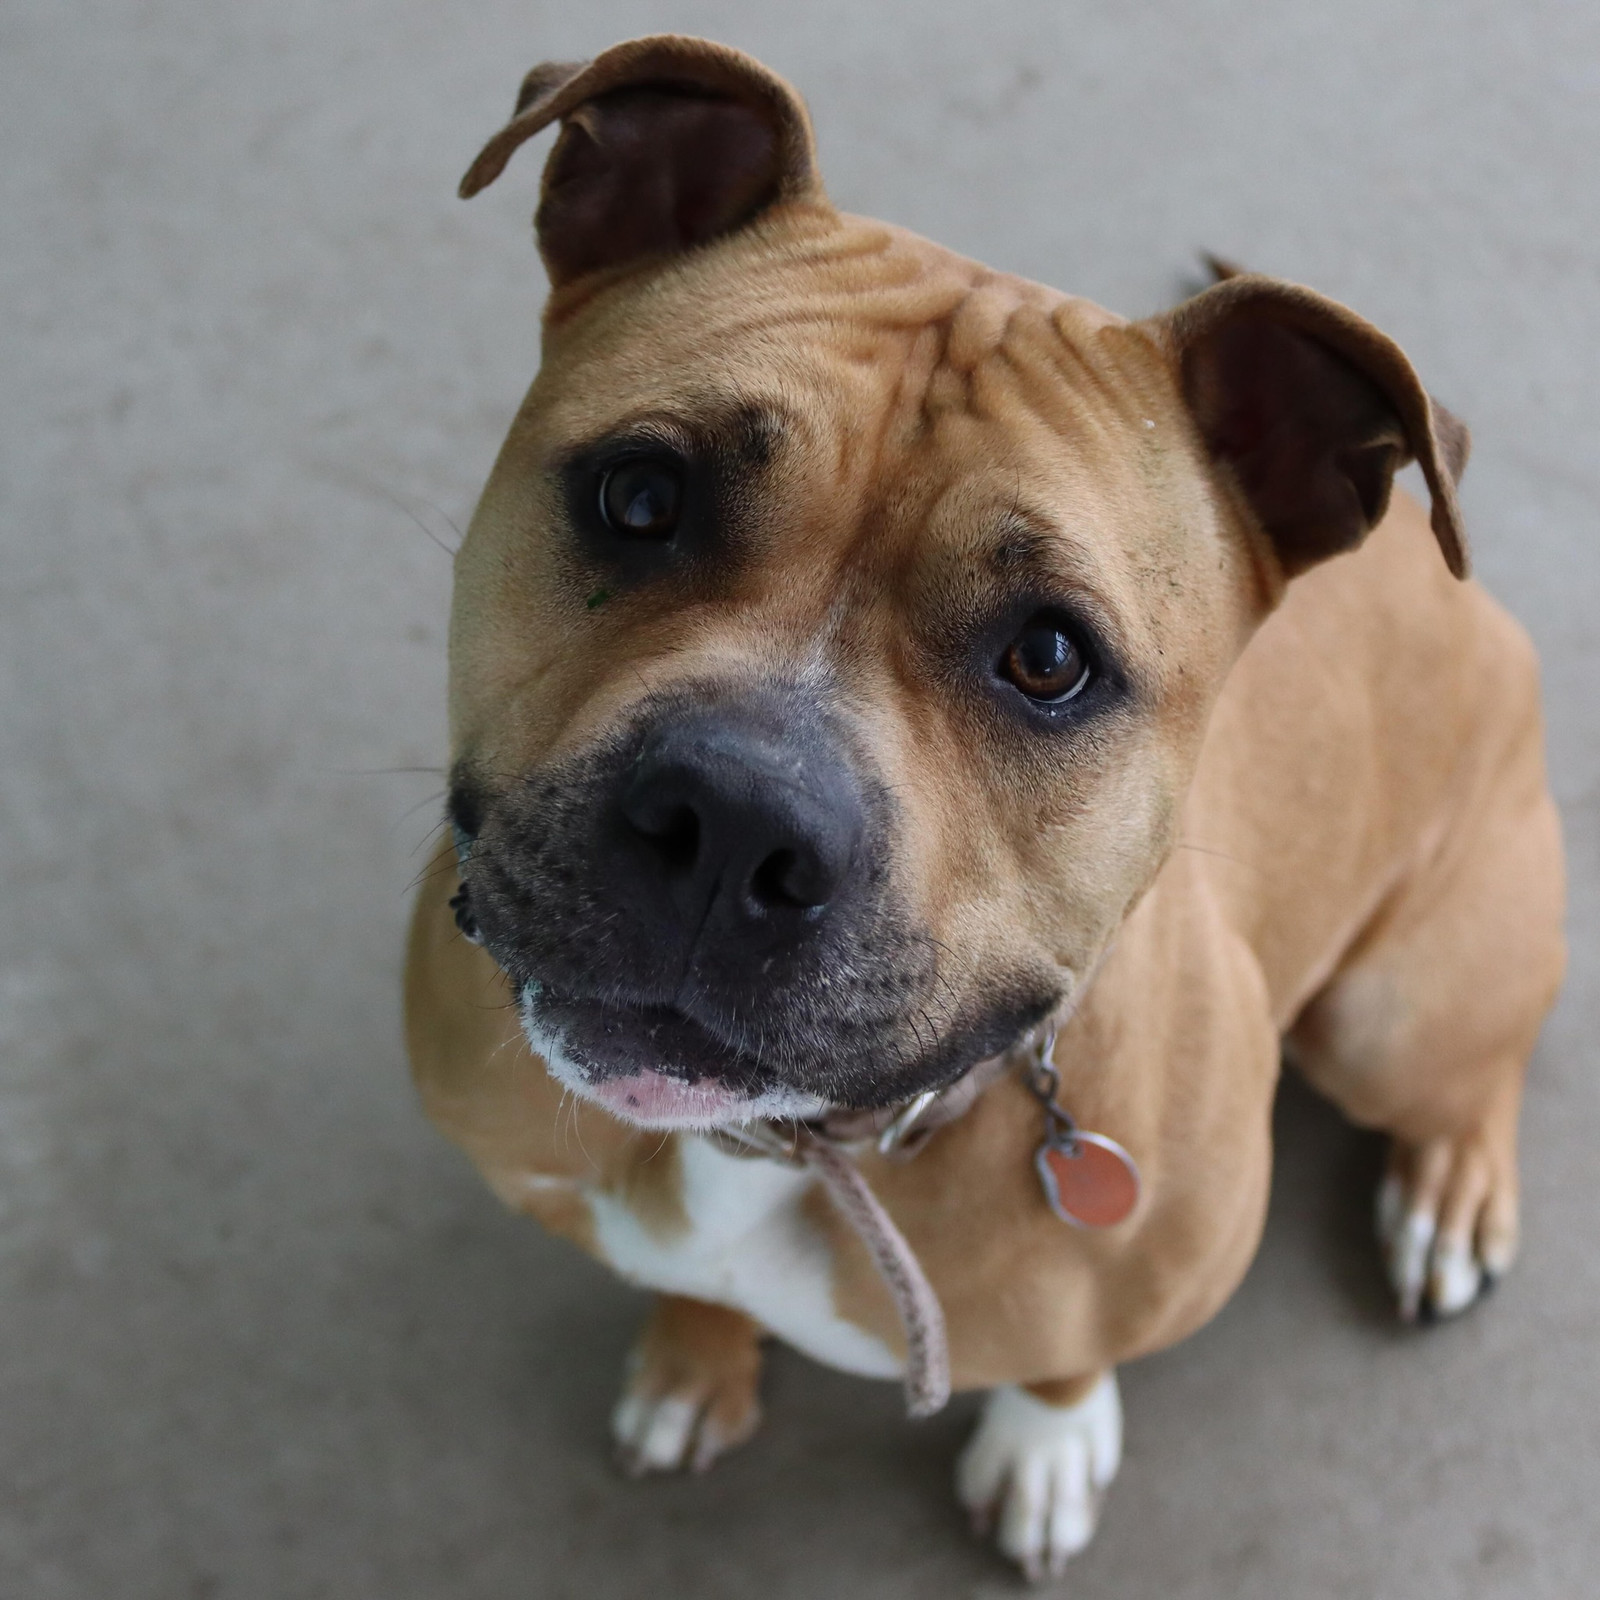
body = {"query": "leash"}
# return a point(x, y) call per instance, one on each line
point(927, 1374)
point(927, 1377)
point(1088, 1179)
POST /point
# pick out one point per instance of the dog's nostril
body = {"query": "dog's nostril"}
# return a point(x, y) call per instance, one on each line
point(784, 879)
point(466, 917)
point(679, 839)
point(464, 808)
point(673, 830)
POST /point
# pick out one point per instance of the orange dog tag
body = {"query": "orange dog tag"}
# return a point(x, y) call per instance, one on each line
point(1089, 1180)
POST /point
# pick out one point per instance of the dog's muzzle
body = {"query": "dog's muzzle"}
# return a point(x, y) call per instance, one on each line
point(705, 897)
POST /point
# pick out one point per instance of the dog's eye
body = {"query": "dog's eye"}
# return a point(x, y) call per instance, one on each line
point(1045, 662)
point(642, 498)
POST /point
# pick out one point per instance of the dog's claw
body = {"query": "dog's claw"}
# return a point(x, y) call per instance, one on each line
point(1409, 1255)
point(654, 1435)
point(1456, 1279)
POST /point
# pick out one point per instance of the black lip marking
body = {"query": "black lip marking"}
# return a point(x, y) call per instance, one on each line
point(611, 1041)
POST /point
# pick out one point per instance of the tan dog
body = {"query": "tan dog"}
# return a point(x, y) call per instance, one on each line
point(860, 658)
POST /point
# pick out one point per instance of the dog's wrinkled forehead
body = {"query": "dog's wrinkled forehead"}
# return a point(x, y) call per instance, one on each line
point(896, 433)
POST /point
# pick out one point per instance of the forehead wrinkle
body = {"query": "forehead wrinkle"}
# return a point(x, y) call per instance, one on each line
point(872, 273)
point(1088, 349)
point(1017, 394)
point(939, 339)
point(978, 324)
point(923, 466)
point(862, 279)
point(1001, 358)
point(1033, 368)
point(787, 327)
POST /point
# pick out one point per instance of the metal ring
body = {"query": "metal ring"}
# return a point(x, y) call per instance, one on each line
point(905, 1123)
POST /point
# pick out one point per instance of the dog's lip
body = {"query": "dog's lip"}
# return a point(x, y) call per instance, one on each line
point(636, 1023)
point(805, 1066)
point(637, 1084)
point(659, 1100)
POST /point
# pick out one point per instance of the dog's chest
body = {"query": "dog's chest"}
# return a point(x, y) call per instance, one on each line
point(749, 1244)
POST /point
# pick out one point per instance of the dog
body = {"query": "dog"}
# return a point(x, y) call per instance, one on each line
point(924, 751)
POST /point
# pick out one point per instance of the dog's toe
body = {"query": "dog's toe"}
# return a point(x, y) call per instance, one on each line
point(671, 1432)
point(1035, 1473)
point(1446, 1220)
point(691, 1389)
point(654, 1435)
point(1455, 1278)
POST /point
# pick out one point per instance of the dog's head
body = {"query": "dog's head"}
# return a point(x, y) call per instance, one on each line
point(834, 641)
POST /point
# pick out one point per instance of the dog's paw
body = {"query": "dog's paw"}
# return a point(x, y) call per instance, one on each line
point(690, 1392)
point(1447, 1224)
point(1035, 1472)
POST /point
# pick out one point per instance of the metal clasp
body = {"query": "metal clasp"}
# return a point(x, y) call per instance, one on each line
point(905, 1122)
point(1061, 1132)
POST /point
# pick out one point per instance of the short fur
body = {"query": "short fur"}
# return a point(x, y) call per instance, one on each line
point(1311, 812)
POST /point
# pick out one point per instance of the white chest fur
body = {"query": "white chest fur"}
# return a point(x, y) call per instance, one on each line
point(748, 1244)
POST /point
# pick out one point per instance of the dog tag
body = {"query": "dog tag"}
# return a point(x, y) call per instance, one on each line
point(1089, 1180)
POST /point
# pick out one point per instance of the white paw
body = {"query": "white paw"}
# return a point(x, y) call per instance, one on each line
point(1447, 1225)
point(1036, 1472)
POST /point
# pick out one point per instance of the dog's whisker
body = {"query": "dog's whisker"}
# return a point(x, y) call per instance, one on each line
point(382, 772)
point(411, 516)
point(1211, 850)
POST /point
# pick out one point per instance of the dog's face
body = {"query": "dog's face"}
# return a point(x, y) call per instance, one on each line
point(835, 638)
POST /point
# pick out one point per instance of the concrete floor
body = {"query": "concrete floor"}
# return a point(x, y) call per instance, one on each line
point(265, 1337)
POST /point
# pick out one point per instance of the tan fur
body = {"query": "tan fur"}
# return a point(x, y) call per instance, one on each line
point(1063, 1392)
point(1330, 822)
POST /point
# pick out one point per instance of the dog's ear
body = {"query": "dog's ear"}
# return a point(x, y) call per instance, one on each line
point(665, 142)
point(1312, 411)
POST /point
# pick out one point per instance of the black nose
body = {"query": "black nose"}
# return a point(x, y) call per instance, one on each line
point(739, 827)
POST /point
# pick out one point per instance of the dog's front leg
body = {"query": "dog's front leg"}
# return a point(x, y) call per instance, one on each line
point(1037, 1465)
point(690, 1391)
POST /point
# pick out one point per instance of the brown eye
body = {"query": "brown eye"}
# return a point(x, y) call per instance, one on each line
point(642, 498)
point(1045, 662)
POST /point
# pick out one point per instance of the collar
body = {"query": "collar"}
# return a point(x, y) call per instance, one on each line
point(898, 1132)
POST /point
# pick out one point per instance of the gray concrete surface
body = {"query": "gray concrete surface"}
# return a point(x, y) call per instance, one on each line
point(264, 1336)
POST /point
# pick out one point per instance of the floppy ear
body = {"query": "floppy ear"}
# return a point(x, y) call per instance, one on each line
point(1312, 410)
point(665, 142)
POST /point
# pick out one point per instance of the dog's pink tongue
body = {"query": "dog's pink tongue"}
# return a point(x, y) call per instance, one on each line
point(663, 1102)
